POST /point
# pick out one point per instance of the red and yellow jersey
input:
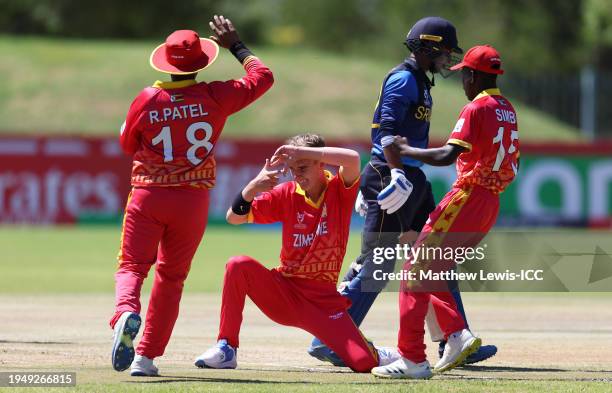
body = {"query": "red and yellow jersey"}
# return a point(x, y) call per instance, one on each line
point(172, 127)
point(488, 129)
point(314, 233)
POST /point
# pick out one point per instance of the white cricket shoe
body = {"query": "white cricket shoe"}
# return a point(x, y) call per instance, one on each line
point(142, 366)
point(387, 355)
point(459, 346)
point(404, 368)
point(221, 355)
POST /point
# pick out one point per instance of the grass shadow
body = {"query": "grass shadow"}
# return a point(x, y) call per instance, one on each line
point(513, 369)
point(36, 342)
point(183, 379)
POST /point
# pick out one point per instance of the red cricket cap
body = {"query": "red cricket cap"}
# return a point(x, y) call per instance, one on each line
point(483, 58)
point(184, 52)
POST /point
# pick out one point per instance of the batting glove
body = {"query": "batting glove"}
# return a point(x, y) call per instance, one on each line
point(361, 205)
point(393, 197)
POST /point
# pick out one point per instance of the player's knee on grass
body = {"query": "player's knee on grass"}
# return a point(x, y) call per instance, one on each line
point(363, 363)
point(345, 339)
point(360, 360)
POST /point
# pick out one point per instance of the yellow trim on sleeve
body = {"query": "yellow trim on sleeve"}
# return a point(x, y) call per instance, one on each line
point(344, 182)
point(459, 142)
point(352, 185)
point(375, 125)
point(488, 92)
point(250, 217)
point(174, 85)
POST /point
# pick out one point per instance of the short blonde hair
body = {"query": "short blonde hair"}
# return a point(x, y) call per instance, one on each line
point(307, 140)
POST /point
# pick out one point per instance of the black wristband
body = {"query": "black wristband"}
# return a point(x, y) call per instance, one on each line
point(240, 51)
point(240, 206)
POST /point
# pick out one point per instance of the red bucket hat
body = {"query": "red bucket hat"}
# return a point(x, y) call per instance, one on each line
point(483, 58)
point(184, 52)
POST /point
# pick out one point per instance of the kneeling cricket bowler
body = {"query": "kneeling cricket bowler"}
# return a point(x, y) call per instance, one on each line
point(315, 211)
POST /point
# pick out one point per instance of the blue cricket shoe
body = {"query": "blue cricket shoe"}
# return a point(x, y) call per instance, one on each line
point(324, 354)
point(484, 352)
point(126, 330)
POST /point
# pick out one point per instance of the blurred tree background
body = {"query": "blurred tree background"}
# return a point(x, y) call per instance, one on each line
point(546, 45)
point(541, 35)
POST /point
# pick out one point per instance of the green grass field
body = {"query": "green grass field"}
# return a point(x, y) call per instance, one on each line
point(56, 283)
point(548, 342)
point(86, 87)
point(82, 259)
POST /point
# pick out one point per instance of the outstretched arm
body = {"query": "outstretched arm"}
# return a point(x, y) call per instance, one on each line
point(233, 95)
point(348, 160)
point(437, 156)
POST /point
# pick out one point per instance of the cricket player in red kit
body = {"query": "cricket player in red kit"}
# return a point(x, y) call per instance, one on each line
point(485, 145)
point(315, 211)
point(171, 130)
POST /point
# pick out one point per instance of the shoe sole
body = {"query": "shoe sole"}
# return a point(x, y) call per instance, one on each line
point(123, 346)
point(462, 356)
point(399, 376)
point(202, 364)
point(489, 355)
point(143, 374)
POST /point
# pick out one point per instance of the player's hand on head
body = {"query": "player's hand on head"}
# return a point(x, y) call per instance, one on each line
point(224, 32)
point(280, 164)
point(277, 164)
point(287, 153)
point(268, 177)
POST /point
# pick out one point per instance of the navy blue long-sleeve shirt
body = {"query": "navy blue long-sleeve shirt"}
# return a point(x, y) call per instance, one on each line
point(404, 109)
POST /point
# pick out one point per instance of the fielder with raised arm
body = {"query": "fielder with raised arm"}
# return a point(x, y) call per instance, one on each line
point(171, 130)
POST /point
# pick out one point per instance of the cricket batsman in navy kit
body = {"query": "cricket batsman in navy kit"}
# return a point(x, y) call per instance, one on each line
point(395, 196)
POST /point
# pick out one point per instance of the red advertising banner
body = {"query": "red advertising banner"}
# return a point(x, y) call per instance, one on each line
point(58, 179)
point(48, 180)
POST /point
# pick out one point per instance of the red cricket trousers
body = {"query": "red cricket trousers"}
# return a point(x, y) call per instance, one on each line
point(469, 214)
point(162, 225)
point(314, 306)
